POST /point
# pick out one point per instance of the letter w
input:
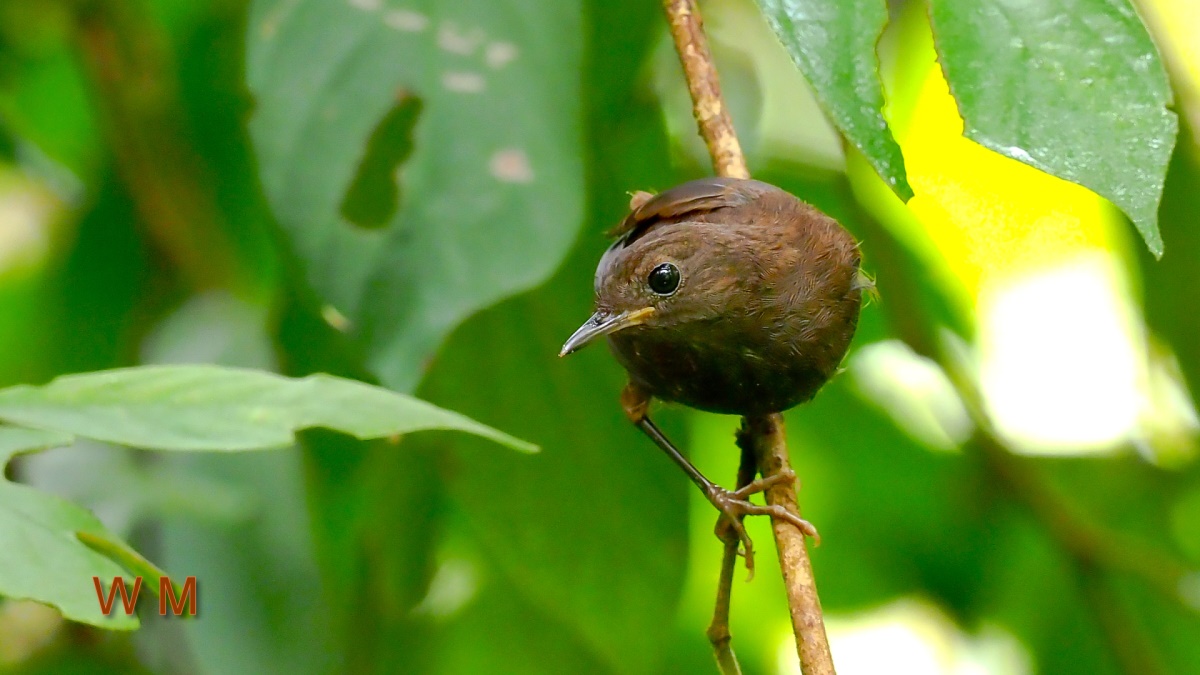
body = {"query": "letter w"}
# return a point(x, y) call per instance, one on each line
point(118, 584)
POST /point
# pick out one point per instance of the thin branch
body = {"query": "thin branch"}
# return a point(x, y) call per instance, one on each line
point(764, 435)
point(712, 117)
point(718, 630)
point(808, 623)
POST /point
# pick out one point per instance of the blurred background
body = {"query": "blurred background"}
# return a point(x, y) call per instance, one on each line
point(1004, 475)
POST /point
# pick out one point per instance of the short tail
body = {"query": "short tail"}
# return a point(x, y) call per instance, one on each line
point(865, 282)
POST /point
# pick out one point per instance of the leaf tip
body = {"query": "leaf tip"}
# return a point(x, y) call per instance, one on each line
point(525, 446)
point(1150, 234)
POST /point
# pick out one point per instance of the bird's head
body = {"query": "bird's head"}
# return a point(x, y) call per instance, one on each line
point(672, 274)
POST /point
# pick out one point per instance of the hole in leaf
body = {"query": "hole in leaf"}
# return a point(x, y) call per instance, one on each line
point(374, 195)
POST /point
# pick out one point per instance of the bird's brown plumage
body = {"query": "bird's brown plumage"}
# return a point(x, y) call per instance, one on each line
point(767, 304)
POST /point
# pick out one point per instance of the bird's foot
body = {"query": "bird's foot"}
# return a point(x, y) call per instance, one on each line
point(735, 505)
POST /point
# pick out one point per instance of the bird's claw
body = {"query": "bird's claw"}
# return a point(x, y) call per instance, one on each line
point(735, 505)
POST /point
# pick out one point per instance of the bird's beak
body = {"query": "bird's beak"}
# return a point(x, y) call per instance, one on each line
point(603, 323)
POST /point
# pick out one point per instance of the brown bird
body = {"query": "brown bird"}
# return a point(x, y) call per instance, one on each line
point(730, 296)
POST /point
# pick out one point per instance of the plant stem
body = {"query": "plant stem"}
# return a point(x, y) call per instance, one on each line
point(712, 117)
point(764, 435)
point(718, 630)
point(808, 623)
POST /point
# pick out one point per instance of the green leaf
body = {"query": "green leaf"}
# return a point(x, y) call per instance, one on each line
point(491, 196)
point(1072, 87)
point(215, 408)
point(45, 557)
point(833, 43)
point(44, 560)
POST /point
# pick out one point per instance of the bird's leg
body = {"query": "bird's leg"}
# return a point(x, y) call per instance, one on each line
point(732, 505)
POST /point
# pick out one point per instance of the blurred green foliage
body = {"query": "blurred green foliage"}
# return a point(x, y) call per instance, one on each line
point(412, 194)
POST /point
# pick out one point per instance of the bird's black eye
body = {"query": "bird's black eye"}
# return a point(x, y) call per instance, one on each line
point(664, 279)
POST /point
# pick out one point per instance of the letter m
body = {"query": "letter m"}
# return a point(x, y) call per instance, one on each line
point(186, 599)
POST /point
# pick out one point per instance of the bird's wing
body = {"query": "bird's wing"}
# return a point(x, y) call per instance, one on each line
point(698, 196)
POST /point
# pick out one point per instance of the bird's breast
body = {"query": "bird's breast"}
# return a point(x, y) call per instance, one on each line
point(729, 366)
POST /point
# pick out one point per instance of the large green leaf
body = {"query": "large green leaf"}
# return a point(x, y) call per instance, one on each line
point(1072, 87)
point(833, 43)
point(491, 196)
point(215, 408)
point(16, 440)
point(603, 597)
